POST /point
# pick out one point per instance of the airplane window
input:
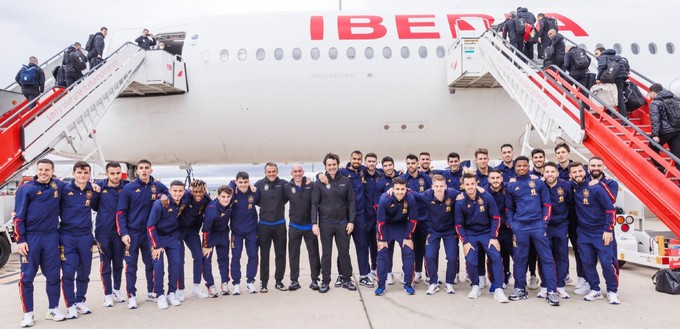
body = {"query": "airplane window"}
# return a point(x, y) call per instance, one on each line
point(315, 53)
point(278, 54)
point(583, 45)
point(670, 47)
point(259, 54)
point(297, 53)
point(422, 51)
point(441, 52)
point(387, 52)
point(333, 53)
point(635, 48)
point(405, 52)
point(224, 55)
point(599, 45)
point(242, 54)
point(351, 53)
point(618, 48)
point(368, 52)
point(652, 48)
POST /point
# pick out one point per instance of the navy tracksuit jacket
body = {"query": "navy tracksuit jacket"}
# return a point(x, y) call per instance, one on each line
point(216, 234)
point(190, 221)
point(163, 230)
point(111, 248)
point(396, 221)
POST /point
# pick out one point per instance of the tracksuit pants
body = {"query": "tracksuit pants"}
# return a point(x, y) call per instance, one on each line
point(339, 232)
point(111, 252)
point(171, 244)
point(395, 233)
point(266, 234)
point(505, 240)
point(434, 240)
point(139, 243)
point(361, 245)
point(573, 237)
point(371, 232)
point(524, 233)
point(532, 259)
point(419, 240)
point(76, 265)
point(558, 235)
point(295, 237)
point(43, 253)
point(237, 242)
point(481, 242)
point(192, 239)
point(591, 246)
point(221, 248)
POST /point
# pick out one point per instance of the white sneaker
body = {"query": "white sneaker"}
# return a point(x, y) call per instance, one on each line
point(132, 303)
point(390, 279)
point(579, 282)
point(118, 297)
point(55, 315)
point(583, 289)
point(108, 301)
point(251, 288)
point(83, 309)
point(533, 283)
point(198, 293)
point(418, 278)
point(482, 282)
point(151, 296)
point(179, 294)
point(162, 302)
point(456, 279)
point(28, 320)
point(374, 275)
point(225, 288)
point(173, 299)
point(543, 293)
point(500, 296)
point(563, 293)
point(432, 289)
point(449, 289)
point(236, 290)
point(613, 298)
point(72, 312)
point(212, 292)
point(568, 280)
point(593, 295)
point(475, 292)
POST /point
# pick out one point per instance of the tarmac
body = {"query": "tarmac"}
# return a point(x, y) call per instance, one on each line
point(641, 306)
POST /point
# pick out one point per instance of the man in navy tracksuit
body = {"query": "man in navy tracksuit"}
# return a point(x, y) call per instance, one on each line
point(482, 162)
point(78, 199)
point(243, 225)
point(190, 221)
point(111, 250)
point(35, 230)
point(528, 210)
point(478, 223)
point(596, 219)
point(537, 160)
point(558, 227)
point(299, 194)
point(272, 225)
point(439, 201)
point(383, 185)
point(507, 166)
point(371, 198)
point(216, 235)
point(134, 206)
point(497, 190)
point(418, 182)
point(397, 222)
point(163, 230)
point(611, 186)
point(454, 174)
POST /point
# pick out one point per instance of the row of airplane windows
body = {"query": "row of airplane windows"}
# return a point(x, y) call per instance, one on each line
point(636, 49)
point(333, 53)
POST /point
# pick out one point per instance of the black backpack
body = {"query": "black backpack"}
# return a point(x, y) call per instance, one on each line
point(552, 23)
point(580, 59)
point(89, 46)
point(611, 72)
point(549, 52)
point(67, 56)
point(672, 108)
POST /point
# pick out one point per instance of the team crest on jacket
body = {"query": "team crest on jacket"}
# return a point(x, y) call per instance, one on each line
point(421, 182)
point(251, 199)
point(293, 189)
point(480, 201)
point(532, 184)
point(586, 193)
point(153, 189)
point(105, 191)
point(328, 186)
point(70, 193)
point(88, 194)
point(54, 185)
point(266, 187)
point(448, 201)
point(560, 191)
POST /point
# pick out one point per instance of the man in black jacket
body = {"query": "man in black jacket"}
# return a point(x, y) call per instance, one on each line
point(542, 30)
point(96, 54)
point(75, 65)
point(512, 32)
point(146, 40)
point(333, 216)
point(577, 72)
point(557, 43)
point(525, 16)
point(662, 130)
point(33, 77)
point(603, 57)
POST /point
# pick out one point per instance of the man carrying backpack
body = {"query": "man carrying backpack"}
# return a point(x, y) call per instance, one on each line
point(512, 31)
point(31, 78)
point(543, 25)
point(576, 62)
point(612, 68)
point(74, 64)
point(554, 54)
point(95, 47)
point(664, 113)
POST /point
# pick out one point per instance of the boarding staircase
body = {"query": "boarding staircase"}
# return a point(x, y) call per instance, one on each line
point(64, 119)
point(557, 110)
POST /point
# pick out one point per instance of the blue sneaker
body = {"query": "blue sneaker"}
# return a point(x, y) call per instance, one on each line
point(409, 289)
point(379, 291)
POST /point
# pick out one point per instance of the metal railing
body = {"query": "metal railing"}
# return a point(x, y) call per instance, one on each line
point(44, 64)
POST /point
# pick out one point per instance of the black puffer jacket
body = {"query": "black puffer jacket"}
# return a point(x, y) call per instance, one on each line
point(611, 54)
point(525, 15)
point(657, 114)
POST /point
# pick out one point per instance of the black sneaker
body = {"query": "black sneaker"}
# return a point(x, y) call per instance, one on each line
point(519, 294)
point(263, 288)
point(349, 285)
point(280, 286)
point(294, 285)
point(366, 281)
point(314, 285)
point(324, 288)
point(338, 281)
point(552, 299)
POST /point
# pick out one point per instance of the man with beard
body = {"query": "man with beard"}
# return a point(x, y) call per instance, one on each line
point(611, 186)
point(418, 181)
point(383, 185)
point(371, 198)
point(537, 159)
point(507, 167)
point(497, 190)
point(424, 164)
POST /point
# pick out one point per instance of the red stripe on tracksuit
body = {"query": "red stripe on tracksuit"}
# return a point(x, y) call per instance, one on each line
point(101, 270)
point(21, 292)
point(17, 235)
point(381, 236)
point(549, 206)
point(612, 222)
point(498, 227)
point(460, 236)
point(154, 243)
point(609, 193)
point(205, 239)
point(118, 213)
point(413, 229)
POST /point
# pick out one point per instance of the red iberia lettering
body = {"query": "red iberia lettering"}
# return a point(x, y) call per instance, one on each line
point(362, 27)
point(404, 25)
point(316, 27)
